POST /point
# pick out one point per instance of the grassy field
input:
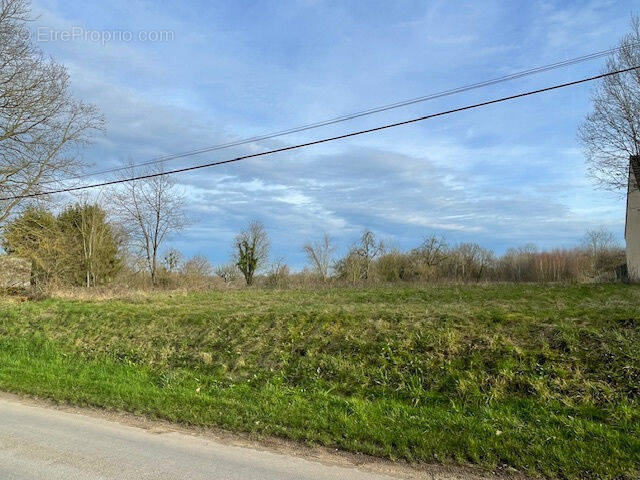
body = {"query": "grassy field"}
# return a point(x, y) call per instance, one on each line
point(541, 379)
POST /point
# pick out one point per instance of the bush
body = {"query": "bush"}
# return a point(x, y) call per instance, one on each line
point(196, 272)
point(394, 267)
point(229, 273)
point(277, 276)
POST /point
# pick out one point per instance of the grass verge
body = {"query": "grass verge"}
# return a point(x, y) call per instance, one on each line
point(541, 379)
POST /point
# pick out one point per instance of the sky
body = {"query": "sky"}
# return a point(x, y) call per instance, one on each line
point(177, 76)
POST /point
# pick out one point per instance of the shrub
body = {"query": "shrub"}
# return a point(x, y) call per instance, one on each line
point(394, 267)
point(277, 276)
point(196, 272)
point(229, 273)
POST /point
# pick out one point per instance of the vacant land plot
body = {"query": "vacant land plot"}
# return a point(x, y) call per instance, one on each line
point(542, 379)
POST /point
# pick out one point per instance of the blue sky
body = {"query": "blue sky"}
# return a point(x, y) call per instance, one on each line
point(506, 175)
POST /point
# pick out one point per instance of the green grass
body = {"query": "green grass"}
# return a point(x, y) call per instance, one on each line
point(542, 379)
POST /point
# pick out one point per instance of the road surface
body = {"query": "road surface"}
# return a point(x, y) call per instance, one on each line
point(38, 442)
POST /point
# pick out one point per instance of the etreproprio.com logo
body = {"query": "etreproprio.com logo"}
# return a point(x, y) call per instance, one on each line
point(48, 34)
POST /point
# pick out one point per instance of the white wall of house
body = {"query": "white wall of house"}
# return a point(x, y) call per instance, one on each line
point(632, 229)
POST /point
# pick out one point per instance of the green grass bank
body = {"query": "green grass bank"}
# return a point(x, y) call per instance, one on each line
point(541, 379)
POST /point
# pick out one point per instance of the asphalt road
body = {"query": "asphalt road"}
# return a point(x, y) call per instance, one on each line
point(44, 443)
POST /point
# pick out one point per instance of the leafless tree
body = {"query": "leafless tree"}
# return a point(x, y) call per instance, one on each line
point(251, 250)
point(196, 273)
point(41, 126)
point(357, 265)
point(432, 251)
point(320, 255)
point(172, 260)
point(470, 261)
point(228, 272)
point(603, 251)
point(596, 241)
point(150, 210)
point(427, 258)
point(277, 275)
point(368, 249)
point(518, 264)
point(197, 266)
point(611, 133)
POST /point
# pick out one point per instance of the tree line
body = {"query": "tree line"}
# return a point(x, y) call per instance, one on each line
point(84, 245)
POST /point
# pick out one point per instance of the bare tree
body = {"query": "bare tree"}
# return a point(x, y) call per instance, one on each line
point(251, 250)
point(470, 261)
point(228, 272)
point(197, 266)
point(172, 260)
point(432, 251)
point(518, 264)
point(41, 125)
point(604, 252)
point(150, 210)
point(368, 249)
point(357, 265)
point(597, 241)
point(611, 133)
point(320, 255)
point(277, 275)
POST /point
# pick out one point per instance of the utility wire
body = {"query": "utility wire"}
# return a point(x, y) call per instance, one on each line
point(324, 140)
point(352, 116)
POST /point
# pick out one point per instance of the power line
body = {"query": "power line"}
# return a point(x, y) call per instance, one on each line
point(325, 140)
point(352, 116)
